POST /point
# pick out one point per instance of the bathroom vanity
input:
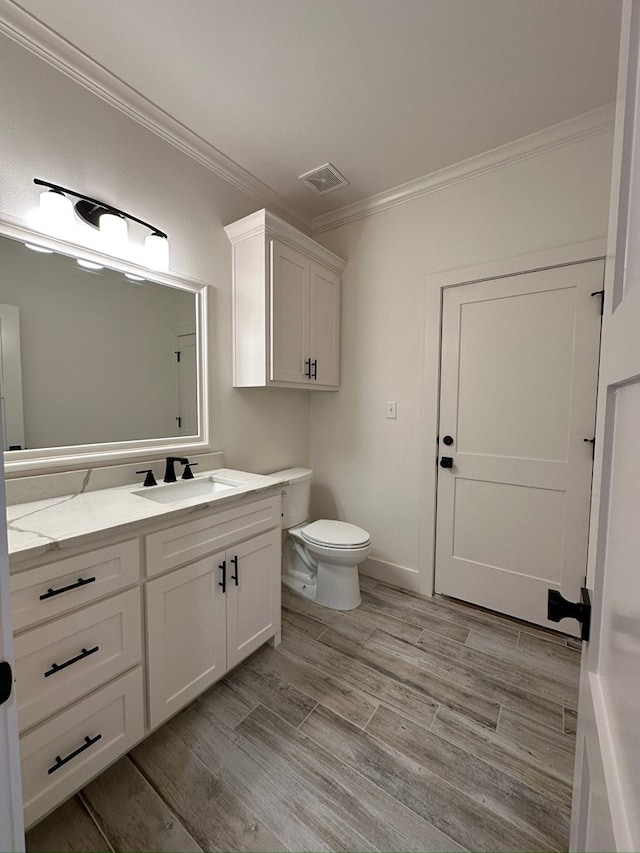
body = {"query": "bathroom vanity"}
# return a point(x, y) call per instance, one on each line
point(128, 603)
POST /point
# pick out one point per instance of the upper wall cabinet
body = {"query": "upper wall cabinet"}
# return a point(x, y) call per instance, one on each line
point(286, 306)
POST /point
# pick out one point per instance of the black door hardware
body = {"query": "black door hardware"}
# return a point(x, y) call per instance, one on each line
point(6, 681)
point(307, 368)
point(448, 440)
point(80, 582)
point(223, 582)
point(315, 369)
point(60, 762)
point(149, 480)
point(446, 462)
point(179, 419)
point(56, 667)
point(559, 608)
point(234, 576)
point(592, 442)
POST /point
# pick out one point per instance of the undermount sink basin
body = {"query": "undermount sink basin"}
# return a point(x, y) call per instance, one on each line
point(168, 493)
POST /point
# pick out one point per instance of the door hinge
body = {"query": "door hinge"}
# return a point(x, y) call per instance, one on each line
point(6, 681)
point(600, 293)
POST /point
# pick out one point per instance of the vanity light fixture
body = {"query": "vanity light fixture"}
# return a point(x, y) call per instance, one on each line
point(132, 277)
point(55, 217)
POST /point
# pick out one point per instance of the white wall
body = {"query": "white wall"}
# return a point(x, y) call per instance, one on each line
point(378, 473)
point(52, 128)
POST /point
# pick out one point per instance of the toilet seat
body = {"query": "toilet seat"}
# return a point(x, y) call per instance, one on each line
point(335, 534)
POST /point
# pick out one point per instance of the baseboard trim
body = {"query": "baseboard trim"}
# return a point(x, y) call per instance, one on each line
point(394, 575)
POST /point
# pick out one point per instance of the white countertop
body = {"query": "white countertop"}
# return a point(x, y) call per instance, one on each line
point(36, 527)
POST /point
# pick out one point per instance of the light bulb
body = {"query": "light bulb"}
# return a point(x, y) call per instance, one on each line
point(156, 249)
point(89, 265)
point(133, 277)
point(54, 215)
point(56, 212)
point(114, 233)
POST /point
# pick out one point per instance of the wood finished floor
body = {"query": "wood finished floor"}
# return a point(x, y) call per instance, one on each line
point(407, 724)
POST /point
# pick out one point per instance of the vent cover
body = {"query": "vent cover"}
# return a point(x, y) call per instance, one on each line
point(324, 179)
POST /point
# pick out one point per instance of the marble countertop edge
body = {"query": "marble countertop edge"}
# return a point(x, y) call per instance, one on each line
point(58, 523)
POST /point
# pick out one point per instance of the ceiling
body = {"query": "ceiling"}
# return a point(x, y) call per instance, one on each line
point(386, 90)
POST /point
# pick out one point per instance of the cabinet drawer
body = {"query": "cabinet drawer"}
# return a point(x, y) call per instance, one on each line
point(65, 752)
point(169, 548)
point(51, 590)
point(65, 659)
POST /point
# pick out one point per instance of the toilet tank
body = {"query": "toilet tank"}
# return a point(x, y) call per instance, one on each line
point(295, 495)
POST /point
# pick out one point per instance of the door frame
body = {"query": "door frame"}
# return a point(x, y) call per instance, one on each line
point(590, 250)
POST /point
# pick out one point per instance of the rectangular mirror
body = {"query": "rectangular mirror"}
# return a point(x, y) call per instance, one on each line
point(96, 365)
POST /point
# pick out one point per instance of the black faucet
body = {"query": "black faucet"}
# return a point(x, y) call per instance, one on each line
point(169, 471)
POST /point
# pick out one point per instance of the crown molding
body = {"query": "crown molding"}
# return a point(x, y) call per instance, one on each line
point(588, 124)
point(29, 32)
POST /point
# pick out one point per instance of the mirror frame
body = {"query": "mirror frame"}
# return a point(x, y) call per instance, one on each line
point(47, 460)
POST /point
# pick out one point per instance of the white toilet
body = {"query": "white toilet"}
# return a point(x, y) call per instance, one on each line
point(319, 560)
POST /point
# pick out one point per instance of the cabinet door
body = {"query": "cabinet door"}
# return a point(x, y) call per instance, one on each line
point(289, 314)
point(185, 634)
point(253, 594)
point(324, 325)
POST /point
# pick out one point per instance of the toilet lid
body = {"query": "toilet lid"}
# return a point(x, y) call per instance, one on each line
point(337, 534)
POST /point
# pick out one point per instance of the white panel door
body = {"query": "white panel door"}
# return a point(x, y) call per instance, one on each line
point(324, 325)
point(606, 805)
point(187, 376)
point(518, 389)
point(289, 314)
point(11, 819)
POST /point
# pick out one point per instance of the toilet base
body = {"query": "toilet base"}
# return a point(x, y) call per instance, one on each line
point(300, 588)
point(338, 587)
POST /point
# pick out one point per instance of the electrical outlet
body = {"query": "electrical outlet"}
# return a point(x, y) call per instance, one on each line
point(392, 409)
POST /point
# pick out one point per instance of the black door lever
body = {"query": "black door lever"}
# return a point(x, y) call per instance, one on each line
point(6, 681)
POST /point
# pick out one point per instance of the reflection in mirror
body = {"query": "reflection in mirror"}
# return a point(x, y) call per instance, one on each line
point(89, 356)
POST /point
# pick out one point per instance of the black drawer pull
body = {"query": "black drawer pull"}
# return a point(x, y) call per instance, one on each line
point(223, 582)
point(56, 667)
point(315, 369)
point(60, 762)
point(234, 576)
point(81, 582)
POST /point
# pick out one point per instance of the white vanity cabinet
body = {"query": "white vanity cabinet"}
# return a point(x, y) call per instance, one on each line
point(286, 306)
point(78, 666)
point(205, 617)
point(112, 641)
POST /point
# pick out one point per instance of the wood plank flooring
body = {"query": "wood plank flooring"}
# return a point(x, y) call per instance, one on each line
point(407, 724)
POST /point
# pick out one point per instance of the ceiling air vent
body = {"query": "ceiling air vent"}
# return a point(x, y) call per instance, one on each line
point(324, 179)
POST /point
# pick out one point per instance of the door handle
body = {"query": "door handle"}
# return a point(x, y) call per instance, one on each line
point(223, 582)
point(6, 681)
point(234, 576)
point(446, 462)
point(559, 608)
